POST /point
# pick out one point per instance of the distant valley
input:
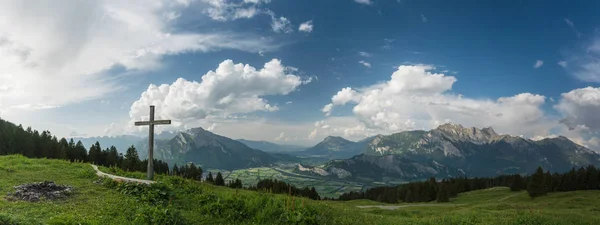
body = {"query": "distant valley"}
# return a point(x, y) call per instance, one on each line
point(272, 147)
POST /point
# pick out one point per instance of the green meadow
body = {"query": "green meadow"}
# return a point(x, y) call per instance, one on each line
point(179, 201)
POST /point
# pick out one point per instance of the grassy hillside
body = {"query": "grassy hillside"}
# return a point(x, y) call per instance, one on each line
point(196, 203)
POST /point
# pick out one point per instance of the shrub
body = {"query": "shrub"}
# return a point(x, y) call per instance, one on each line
point(157, 193)
point(158, 216)
point(64, 219)
point(6, 220)
point(302, 216)
point(87, 174)
point(232, 209)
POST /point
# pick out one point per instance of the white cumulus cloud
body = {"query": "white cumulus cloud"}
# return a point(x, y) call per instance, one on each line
point(345, 95)
point(229, 90)
point(327, 109)
point(417, 98)
point(342, 97)
point(580, 108)
point(306, 26)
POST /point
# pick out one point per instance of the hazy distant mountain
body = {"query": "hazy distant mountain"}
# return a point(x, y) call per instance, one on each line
point(334, 147)
point(122, 142)
point(211, 151)
point(271, 147)
point(451, 150)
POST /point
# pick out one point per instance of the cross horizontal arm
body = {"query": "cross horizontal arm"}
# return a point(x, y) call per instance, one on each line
point(156, 122)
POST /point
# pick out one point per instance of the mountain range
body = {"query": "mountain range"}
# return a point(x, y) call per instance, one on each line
point(210, 150)
point(122, 142)
point(449, 150)
point(334, 147)
point(452, 150)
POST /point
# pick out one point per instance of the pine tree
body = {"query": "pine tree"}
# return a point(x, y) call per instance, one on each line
point(81, 154)
point(210, 178)
point(132, 160)
point(63, 148)
point(219, 181)
point(95, 154)
point(442, 194)
point(175, 170)
point(112, 156)
point(70, 150)
point(536, 186)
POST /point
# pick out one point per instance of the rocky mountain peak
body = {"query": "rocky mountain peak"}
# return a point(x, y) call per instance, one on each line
point(489, 131)
point(196, 131)
point(459, 133)
point(450, 126)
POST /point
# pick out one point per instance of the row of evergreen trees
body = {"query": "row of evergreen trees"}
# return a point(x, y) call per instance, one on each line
point(110, 157)
point(277, 186)
point(219, 181)
point(541, 183)
point(426, 191)
point(31, 143)
point(189, 171)
point(538, 184)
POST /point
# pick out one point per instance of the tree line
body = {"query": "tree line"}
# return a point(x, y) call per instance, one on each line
point(538, 184)
point(280, 187)
point(33, 144)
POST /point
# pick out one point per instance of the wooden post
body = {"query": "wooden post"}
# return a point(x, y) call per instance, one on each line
point(151, 123)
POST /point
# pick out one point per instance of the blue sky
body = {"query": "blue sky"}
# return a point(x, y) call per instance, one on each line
point(94, 60)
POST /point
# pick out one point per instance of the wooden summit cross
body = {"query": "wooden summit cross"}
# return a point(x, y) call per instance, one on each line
point(151, 123)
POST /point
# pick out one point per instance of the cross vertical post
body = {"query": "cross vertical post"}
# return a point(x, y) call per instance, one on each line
point(151, 123)
point(150, 170)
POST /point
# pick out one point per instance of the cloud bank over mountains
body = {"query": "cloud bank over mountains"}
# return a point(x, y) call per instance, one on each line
point(415, 97)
